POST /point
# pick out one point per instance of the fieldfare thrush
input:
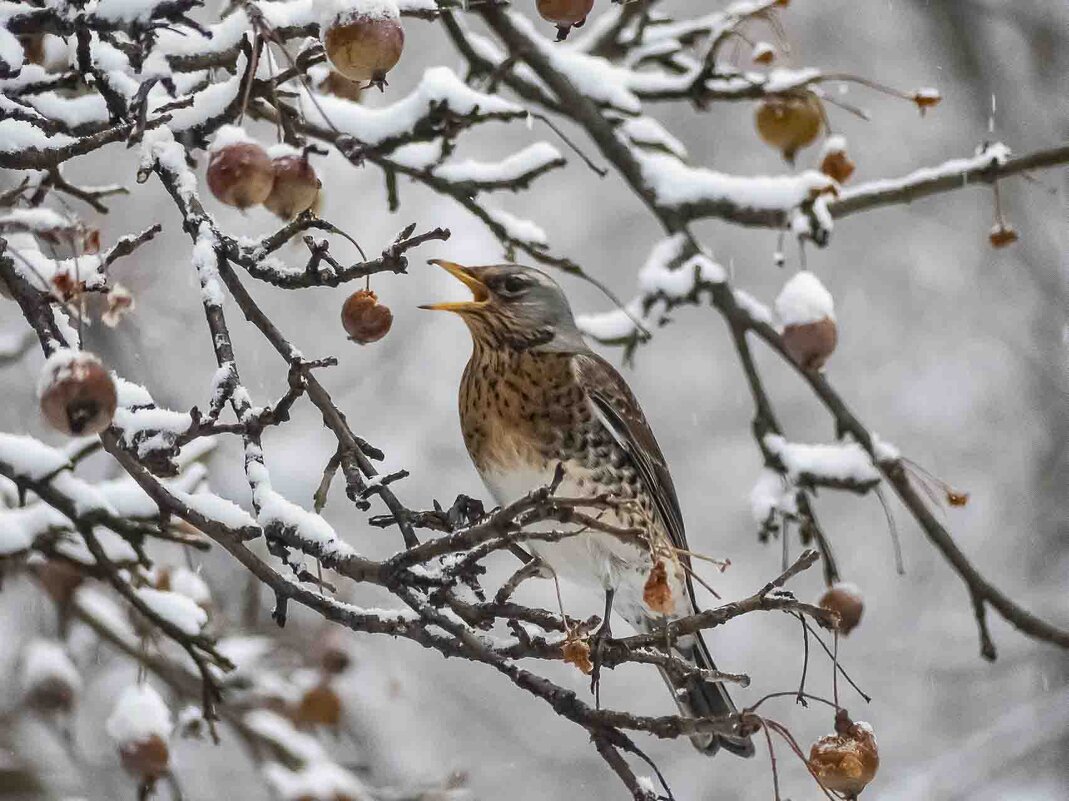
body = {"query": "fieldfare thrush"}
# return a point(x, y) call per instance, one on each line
point(534, 397)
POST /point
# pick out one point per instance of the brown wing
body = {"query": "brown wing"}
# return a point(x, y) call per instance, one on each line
point(615, 404)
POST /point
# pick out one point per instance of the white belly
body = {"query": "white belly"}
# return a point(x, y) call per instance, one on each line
point(593, 559)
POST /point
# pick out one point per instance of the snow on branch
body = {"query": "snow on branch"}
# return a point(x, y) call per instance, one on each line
point(513, 172)
point(440, 95)
point(990, 162)
point(845, 465)
point(673, 273)
point(698, 192)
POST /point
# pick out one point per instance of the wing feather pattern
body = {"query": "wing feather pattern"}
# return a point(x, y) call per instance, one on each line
point(616, 407)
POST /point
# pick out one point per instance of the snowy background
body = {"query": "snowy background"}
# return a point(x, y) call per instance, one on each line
point(951, 350)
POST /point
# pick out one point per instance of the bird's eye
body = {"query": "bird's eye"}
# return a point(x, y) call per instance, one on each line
point(514, 284)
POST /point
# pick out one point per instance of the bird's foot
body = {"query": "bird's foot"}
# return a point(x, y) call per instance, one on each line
point(599, 643)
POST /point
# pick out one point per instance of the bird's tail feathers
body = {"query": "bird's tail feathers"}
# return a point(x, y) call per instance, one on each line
point(698, 697)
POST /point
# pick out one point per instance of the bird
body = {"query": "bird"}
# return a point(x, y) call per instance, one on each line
point(537, 405)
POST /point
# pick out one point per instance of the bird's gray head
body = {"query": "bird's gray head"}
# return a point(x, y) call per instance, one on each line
point(514, 307)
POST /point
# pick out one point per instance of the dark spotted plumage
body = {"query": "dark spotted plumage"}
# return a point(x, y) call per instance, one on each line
point(534, 396)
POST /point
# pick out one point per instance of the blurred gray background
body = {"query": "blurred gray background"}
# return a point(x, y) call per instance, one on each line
point(951, 350)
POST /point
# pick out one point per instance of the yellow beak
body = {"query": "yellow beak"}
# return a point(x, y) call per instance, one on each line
point(479, 292)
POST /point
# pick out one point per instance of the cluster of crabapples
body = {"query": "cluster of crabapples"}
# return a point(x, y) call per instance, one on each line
point(362, 45)
point(78, 397)
point(140, 724)
point(243, 174)
point(791, 121)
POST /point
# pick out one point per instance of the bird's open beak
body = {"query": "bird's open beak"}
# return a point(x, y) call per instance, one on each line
point(480, 295)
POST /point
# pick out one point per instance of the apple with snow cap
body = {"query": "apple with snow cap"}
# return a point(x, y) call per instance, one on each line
point(363, 38)
point(140, 726)
point(835, 162)
point(763, 53)
point(76, 393)
point(240, 172)
point(807, 312)
point(50, 681)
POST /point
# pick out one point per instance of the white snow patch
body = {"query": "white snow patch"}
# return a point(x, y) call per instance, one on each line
point(47, 659)
point(676, 183)
point(126, 10)
point(229, 135)
point(130, 394)
point(182, 612)
point(842, 462)
point(101, 608)
point(538, 156)
point(647, 785)
point(321, 779)
point(41, 219)
point(833, 144)
point(209, 103)
point(439, 85)
point(517, 228)
point(885, 451)
point(282, 150)
point(11, 52)
point(189, 583)
point(19, 135)
point(115, 548)
point(217, 508)
point(612, 326)
point(418, 155)
point(139, 714)
point(771, 493)
point(329, 11)
point(752, 306)
point(281, 733)
point(275, 510)
point(19, 527)
point(206, 263)
point(850, 589)
point(30, 458)
point(659, 275)
point(804, 299)
point(783, 80)
point(649, 132)
point(73, 111)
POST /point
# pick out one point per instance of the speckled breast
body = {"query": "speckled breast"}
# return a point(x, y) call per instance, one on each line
point(523, 413)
